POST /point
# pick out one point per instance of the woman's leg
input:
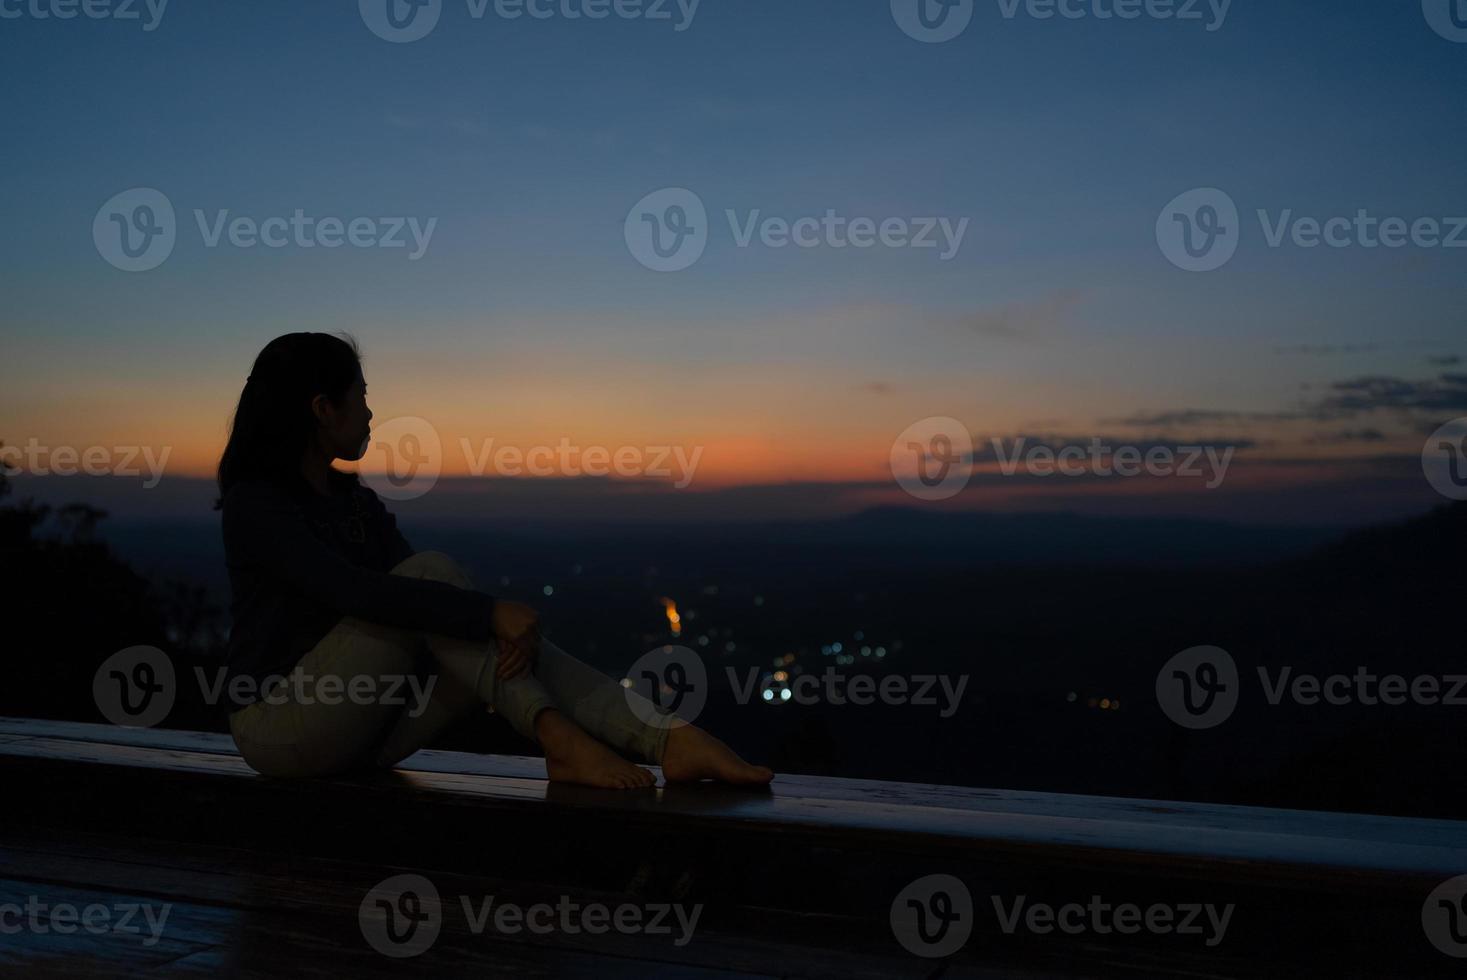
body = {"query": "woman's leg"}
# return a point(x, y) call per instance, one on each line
point(595, 704)
point(469, 677)
point(310, 723)
point(602, 706)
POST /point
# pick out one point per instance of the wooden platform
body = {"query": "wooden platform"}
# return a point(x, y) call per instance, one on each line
point(266, 877)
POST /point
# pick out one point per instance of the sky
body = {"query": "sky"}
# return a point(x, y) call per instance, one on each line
point(530, 316)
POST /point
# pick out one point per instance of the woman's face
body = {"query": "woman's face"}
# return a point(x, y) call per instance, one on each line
point(346, 427)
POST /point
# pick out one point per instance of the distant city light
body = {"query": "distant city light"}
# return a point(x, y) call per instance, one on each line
point(674, 621)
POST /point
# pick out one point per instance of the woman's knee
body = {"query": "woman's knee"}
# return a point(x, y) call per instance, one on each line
point(435, 566)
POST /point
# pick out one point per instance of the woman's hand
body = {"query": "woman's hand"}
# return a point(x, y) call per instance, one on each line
point(517, 631)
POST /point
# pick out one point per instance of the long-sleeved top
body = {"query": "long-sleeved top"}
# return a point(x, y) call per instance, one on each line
point(299, 562)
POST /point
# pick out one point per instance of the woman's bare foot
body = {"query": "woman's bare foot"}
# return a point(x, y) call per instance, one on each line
point(693, 754)
point(572, 756)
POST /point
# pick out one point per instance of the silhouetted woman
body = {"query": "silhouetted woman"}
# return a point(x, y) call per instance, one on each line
point(333, 610)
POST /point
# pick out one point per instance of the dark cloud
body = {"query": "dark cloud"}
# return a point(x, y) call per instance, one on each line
point(1195, 416)
point(1372, 393)
point(1446, 360)
point(1327, 349)
point(1346, 436)
point(1026, 319)
point(984, 450)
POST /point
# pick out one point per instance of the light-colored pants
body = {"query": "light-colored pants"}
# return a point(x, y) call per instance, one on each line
point(315, 723)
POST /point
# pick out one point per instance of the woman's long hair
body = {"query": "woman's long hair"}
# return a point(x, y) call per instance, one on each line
point(273, 423)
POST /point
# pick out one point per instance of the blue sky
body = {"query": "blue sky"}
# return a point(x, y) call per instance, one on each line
point(1060, 141)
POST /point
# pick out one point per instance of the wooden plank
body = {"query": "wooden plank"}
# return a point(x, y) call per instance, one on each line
point(1360, 829)
point(254, 883)
point(196, 939)
point(1347, 846)
point(813, 864)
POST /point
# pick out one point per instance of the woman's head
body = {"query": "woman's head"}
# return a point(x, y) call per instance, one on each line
point(306, 392)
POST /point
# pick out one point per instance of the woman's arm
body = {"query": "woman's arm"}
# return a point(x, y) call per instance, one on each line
point(516, 625)
point(263, 527)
